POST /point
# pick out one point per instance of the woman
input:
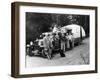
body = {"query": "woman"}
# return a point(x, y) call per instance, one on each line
point(67, 42)
point(71, 40)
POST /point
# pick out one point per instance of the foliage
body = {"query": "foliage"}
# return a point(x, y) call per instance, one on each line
point(37, 23)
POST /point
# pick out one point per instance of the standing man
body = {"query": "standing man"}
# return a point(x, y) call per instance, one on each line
point(63, 41)
point(56, 42)
point(47, 45)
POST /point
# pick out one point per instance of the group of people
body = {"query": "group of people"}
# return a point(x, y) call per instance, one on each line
point(57, 42)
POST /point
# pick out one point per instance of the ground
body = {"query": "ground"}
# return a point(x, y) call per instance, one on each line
point(77, 56)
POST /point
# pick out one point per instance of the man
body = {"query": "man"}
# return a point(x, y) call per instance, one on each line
point(56, 42)
point(47, 45)
point(63, 41)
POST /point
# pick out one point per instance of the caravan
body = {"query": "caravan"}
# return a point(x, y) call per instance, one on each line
point(77, 31)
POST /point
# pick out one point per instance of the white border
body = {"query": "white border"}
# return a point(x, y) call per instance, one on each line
point(53, 69)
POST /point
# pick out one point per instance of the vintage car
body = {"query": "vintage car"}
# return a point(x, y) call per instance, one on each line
point(37, 48)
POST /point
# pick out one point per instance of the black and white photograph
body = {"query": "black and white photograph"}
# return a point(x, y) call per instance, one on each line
point(57, 39)
point(51, 39)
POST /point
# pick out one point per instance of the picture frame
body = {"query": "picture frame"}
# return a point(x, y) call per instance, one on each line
point(19, 12)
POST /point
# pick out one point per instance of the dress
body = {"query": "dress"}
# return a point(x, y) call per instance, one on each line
point(67, 42)
point(71, 40)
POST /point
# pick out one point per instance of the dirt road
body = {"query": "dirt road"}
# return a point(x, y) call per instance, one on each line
point(77, 56)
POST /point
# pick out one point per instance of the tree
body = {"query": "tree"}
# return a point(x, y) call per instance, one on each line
point(37, 23)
